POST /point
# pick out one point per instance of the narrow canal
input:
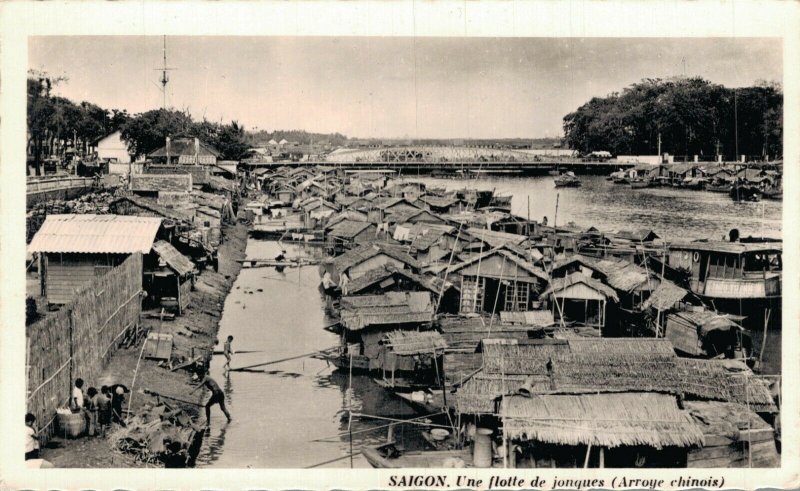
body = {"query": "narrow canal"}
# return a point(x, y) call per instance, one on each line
point(279, 415)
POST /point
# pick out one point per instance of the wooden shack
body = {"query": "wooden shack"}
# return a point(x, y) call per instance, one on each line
point(74, 249)
point(579, 298)
point(498, 280)
point(347, 234)
point(169, 277)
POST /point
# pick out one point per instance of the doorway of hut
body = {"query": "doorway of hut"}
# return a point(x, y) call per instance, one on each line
point(494, 295)
point(587, 312)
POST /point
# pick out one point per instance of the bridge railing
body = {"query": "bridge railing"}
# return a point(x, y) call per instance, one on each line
point(56, 183)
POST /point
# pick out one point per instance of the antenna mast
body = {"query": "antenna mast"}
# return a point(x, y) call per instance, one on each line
point(164, 74)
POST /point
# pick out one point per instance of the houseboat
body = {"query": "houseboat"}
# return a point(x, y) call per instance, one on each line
point(741, 277)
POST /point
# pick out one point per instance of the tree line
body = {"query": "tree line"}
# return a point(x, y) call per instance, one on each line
point(56, 124)
point(690, 116)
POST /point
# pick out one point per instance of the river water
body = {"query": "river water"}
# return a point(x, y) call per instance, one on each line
point(277, 414)
point(670, 212)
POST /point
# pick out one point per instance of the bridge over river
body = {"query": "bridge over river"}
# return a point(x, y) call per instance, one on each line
point(427, 159)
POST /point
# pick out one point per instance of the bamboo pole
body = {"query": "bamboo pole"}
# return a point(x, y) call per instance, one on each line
point(304, 355)
point(586, 459)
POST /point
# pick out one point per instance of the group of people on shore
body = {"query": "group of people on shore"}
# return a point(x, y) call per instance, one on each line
point(100, 408)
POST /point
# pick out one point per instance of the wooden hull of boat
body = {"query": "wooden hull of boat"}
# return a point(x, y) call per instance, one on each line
point(569, 184)
point(640, 184)
point(434, 406)
point(342, 362)
point(410, 460)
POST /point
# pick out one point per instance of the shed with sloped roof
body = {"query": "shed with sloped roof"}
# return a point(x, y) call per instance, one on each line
point(74, 249)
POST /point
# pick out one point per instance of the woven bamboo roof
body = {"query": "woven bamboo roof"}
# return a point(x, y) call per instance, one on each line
point(617, 365)
point(377, 275)
point(620, 274)
point(495, 238)
point(560, 284)
point(509, 256)
point(665, 296)
point(362, 253)
point(347, 229)
point(359, 312)
point(408, 343)
point(608, 420)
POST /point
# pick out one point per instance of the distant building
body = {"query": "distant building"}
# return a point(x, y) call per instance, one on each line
point(185, 151)
point(112, 147)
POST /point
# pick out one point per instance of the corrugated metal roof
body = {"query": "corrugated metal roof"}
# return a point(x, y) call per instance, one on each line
point(113, 234)
point(177, 261)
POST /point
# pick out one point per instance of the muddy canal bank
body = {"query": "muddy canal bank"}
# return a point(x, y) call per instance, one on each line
point(193, 333)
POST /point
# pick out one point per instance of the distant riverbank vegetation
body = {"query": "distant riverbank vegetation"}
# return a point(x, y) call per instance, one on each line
point(692, 116)
point(57, 125)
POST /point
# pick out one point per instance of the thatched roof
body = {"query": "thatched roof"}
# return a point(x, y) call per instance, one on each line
point(531, 318)
point(509, 256)
point(496, 238)
point(379, 274)
point(665, 296)
point(621, 274)
point(466, 333)
point(439, 201)
point(520, 357)
point(360, 254)
point(725, 419)
point(607, 420)
point(359, 312)
point(558, 285)
point(348, 229)
point(406, 343)
point(620, 365)
point(705, 321)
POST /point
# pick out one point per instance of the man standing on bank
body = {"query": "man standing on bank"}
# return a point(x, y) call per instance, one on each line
point(228, 352)
point(217, 397)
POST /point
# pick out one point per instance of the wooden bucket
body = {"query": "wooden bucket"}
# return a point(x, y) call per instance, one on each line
point(72, 425)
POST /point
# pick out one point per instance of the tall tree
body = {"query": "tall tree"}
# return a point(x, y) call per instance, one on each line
point(147, 131)
point(690, 115)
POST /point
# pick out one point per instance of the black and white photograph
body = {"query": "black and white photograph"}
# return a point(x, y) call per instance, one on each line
point(470, 253)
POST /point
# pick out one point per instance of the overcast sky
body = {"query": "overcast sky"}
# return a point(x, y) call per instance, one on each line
point(388, 87)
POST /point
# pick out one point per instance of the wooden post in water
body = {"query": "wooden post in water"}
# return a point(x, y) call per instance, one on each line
point(767, 313)
point(586, 459)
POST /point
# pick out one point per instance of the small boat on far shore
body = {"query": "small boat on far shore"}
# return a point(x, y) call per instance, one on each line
point(567, 180)
point(640, 183)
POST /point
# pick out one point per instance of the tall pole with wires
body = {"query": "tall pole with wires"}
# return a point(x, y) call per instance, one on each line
point(164, 74)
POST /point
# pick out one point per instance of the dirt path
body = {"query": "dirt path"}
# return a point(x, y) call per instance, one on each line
point(195, 330)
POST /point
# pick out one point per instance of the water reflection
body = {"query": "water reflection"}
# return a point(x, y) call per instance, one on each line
point(671, 212)
point(296, 413)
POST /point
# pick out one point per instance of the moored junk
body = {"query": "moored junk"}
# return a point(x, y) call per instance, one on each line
point(458, 307)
